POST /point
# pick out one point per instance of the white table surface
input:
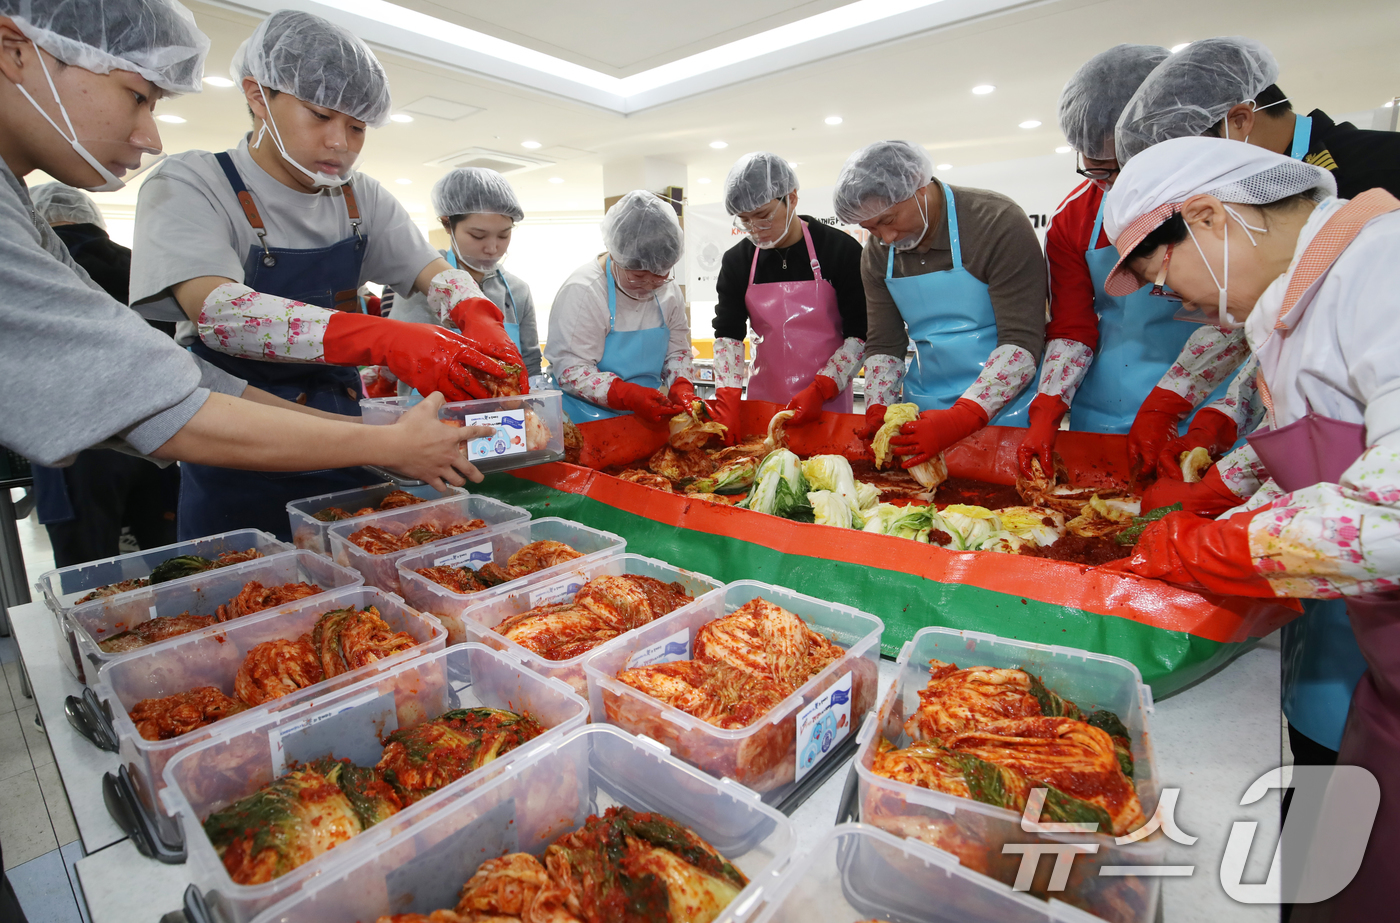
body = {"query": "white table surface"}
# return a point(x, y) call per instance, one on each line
point(1211, 741)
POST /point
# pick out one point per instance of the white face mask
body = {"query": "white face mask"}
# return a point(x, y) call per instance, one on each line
point(111, 182)
point(905, 244)
point(483, 266)
point(323, 180)
point(1222, 284)
point(770, 244)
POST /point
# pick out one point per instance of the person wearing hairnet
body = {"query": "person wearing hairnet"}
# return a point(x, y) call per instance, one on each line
point(479, 211)
point(265, 246)
point(619, 341)
point(1103, 354)
point(79, 82)
point(1314, 280)
point(797, 281)
point(962, 270)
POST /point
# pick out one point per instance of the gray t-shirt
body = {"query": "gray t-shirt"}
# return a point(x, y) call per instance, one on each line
point(189, 224)
point(82, 370)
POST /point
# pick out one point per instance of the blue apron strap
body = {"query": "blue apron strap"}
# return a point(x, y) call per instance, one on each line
point(953, 241)
point(451, 257)
point(234, 180)
point(1098, 226)
point(612, 294)
point(1302, 136)
point(510, 296)
point(889, 265)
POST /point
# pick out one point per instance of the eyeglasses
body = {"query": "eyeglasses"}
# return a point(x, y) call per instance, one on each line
point(640, 278)
point(762, 222)
point(1097, 173)
point(1159, 287)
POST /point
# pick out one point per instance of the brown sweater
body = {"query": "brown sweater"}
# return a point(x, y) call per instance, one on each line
point(998, 248)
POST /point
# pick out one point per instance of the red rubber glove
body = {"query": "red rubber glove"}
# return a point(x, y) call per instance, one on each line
point(725, 409)
point(649, 404)
point(808, 402)
point(483, 324)
point(379, 381)
point(1155, 426)
point(682, 393)
point(1045, 413)
point(935, 430)
point(1208, 496)
point(428, 357)
point(1190, 550)
point(1211, 429)
point(874, 419)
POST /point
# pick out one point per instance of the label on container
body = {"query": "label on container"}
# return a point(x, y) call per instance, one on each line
point(822, 724)
point(557, 592)
point(350, 729)
point(676, 647)
point(473, 557)
point(508, 439)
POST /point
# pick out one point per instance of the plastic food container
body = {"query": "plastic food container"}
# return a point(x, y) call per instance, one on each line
point(381, 570)
point(772, 755)
point(466, 551)
point(857, 873)
point(975, 831)
point(310, 533)
point(62, 588)
point(529, 427)
point(479, 620)
point(213, 659)
point(350, 724)
point(542, 797)
point(200, 594)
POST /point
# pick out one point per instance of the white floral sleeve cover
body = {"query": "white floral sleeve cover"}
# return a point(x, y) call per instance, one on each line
point(1241, 401)
point(587, 382)
point(731, 369)
point(844, 362)
point(884, 380)
point(1332, 540)
point(1209, 356)
point(679, 366)
point(448, 289)
point(1242, 471)
point(1066, 363)
point(1007, 372)
point(237, 321)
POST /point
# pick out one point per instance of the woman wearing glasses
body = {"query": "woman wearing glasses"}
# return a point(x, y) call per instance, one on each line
point(797, 282)
point(619, 341)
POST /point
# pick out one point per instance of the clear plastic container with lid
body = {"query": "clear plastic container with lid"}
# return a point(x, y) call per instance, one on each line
point(213, 658)
point(542, 797)
point(478, 621)
point(311, 533)
point(774, 753)
point(382, 570)
point(529, 427)
point(466, 551)
point(351, 724)
point(975, 832)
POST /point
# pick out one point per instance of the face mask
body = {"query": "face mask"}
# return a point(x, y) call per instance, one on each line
point(483, 266)
point(111, 182)
point(770, 244)
point(905, 244)
point(1222, 285)
point(318, 179)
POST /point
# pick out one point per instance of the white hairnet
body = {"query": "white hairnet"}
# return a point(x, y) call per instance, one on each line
point(474, 191)
point(317, 61)
point(154, 38)
point(757, 179)
point(641, 231)
point(58, 202)
point(1095, 96)
point(878, 176)
point(1192, 90)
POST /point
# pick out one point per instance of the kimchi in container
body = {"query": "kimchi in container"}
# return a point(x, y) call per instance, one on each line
point(312, 534)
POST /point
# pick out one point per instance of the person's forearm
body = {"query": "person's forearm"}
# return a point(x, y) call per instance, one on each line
point(259, 396)
point(1209, 356)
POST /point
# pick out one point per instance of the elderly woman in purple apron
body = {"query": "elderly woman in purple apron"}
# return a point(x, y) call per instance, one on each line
point(797, 282)
point(1261, 241)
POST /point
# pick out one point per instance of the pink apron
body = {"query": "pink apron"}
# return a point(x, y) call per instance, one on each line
point(797, 327)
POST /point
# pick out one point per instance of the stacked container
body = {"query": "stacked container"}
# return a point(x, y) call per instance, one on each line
point(311, 533)
point(529, 427)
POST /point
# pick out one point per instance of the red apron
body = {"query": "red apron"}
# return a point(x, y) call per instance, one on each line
point(797, 326)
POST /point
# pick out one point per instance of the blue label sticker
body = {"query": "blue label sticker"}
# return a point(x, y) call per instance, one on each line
point(823, 723)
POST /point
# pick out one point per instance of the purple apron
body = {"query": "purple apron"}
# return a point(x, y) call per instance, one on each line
point(798, 327)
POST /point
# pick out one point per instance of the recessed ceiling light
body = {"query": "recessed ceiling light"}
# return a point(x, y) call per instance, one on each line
point(1388, 104)
point(172, 119)
point(983, 89)
point(1031, 123)
point(945, 166)
point(218, 82)
point(719, 145)
point(403, 117)
point(834, 120)
point(532, 145)
point(703, 181)
point(403, 181)
point(556, 179)
point(1176, 48)
point(1063, 149)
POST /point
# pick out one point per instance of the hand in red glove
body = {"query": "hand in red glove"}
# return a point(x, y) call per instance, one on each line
point(1155, 426)
point(935, 430)
point(1190, 550)
point(1045, 413)
point(1211, 429)
point(874, 419)
point(808, 402)
point(482, 323)
point(682, 394)
point(428, 357)
point(1208, 497)
point(725, 409)
point(379, 381)
point(649, 404)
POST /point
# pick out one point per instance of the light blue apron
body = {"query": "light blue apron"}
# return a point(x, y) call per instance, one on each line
point(950, 319)
point(636, 356)
point(1321, 666)
point(1139, 340)
point(512, 330)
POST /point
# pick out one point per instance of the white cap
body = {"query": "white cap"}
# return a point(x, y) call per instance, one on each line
point(641, 231)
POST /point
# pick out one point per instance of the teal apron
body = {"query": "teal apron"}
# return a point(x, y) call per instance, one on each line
point(636, 356)
point(512, 330)
point(950, 319)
